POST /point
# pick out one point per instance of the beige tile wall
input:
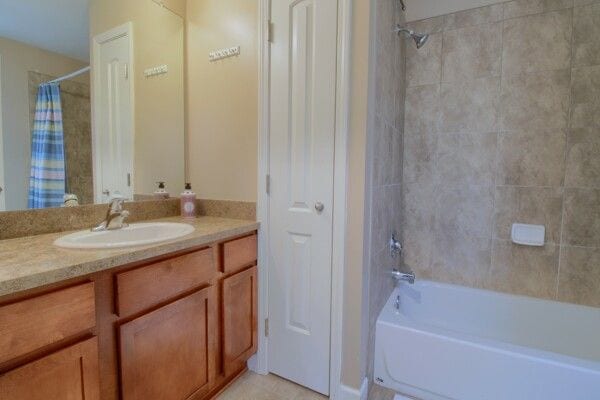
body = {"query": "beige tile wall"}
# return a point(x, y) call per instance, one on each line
point(384, 157)
point(502, 125)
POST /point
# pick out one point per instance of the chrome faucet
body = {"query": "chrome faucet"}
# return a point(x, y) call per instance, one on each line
point(115, 217)
point(402, 276)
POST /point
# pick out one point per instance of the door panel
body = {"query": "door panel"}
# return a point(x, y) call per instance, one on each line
point(303, 71)
point(113, 144)
point(166, 354)
point(240, 303)
point(69, 374)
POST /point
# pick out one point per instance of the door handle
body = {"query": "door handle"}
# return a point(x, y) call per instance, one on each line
point(319, 207)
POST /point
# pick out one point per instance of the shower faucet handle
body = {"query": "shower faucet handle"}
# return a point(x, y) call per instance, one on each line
point(395, 246)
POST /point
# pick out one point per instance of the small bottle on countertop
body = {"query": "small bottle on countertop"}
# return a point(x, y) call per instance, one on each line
point(161, 193)
point(188, 202)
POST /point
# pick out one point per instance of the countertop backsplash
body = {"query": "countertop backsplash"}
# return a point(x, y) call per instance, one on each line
point(14, 224)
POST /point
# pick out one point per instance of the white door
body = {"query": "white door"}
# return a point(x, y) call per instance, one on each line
point(113, 118)
point(2, 188)
point(302, 127)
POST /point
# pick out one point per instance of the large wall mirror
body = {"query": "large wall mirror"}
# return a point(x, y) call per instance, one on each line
point(91, 100)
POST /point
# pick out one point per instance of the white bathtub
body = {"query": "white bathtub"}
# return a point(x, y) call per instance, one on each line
point(452, 342)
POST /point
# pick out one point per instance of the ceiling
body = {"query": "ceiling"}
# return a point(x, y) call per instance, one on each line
point(60, 26)
point(421, 9)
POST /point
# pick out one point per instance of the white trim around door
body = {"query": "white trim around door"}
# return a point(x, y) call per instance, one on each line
point(2, 186)
point(259, 363)
point(340, 188)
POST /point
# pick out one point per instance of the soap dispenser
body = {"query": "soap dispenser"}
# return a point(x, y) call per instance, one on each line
point(188, 202)
point(161, 193)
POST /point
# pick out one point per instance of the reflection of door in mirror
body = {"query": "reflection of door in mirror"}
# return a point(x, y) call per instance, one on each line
point(2, 201)
point(113, 119)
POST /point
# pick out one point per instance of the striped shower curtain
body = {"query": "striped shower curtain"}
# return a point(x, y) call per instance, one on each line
point(47, 178)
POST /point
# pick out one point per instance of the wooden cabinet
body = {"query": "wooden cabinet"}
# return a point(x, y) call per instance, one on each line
point(33, 323)
point(179, 327)
point(147, 286)
point(239, 253)
point(240, 305)
point(69, 374)
point(165, 354)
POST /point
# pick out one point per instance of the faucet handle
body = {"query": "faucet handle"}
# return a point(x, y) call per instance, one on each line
point(395, 246)
point(116, 204)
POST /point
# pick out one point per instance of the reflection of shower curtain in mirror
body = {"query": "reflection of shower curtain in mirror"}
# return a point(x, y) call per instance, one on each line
point(47, 179)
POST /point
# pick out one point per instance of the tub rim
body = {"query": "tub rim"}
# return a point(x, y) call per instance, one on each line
point(391, 318)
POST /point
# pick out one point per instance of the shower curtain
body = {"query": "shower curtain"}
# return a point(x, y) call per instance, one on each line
point(47, 178)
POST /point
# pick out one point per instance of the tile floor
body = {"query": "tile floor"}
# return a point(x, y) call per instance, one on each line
point(251, 386)
point(377, 392)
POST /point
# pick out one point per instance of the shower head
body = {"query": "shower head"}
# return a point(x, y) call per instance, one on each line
point(419, 38)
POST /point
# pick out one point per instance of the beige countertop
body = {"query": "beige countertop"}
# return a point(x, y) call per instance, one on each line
point(34, 261)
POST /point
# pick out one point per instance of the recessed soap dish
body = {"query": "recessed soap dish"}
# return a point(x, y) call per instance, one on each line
point(528, 235)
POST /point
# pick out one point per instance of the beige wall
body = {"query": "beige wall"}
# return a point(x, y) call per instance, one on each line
point(502, 130)
point(355, 304)
point(17, 60)
point(222, 99)
point(176, 6)
point(158, 36)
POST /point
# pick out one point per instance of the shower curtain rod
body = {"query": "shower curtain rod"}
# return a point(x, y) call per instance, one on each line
point(71, 75)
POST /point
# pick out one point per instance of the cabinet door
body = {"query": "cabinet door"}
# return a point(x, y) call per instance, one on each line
point(239, 319)
point(167, 354)
point(69, 374)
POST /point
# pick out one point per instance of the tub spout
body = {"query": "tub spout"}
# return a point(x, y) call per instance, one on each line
point(401, 276)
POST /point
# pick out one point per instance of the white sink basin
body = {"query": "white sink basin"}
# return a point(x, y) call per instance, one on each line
point(134, 235)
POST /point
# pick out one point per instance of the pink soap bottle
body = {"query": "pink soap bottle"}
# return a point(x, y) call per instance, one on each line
point(188, 202)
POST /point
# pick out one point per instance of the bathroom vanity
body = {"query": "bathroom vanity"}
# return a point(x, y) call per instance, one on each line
point(176, 320)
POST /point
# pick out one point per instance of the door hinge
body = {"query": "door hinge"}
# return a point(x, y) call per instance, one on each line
point(266, 327)
point(270, 32)
point(128, 180)
point(126, 71)
point(268, 184)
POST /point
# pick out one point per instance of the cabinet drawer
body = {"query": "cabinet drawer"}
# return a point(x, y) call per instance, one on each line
point(147, 286)
point(239, 253)
point(71, 373)
point(31, 324)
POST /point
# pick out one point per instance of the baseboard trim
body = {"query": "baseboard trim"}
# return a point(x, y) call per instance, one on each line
point(348, 393)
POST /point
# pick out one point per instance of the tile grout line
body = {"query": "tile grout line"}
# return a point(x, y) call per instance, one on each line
point(566, 158)
point(437, 128)
point(497, 161)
